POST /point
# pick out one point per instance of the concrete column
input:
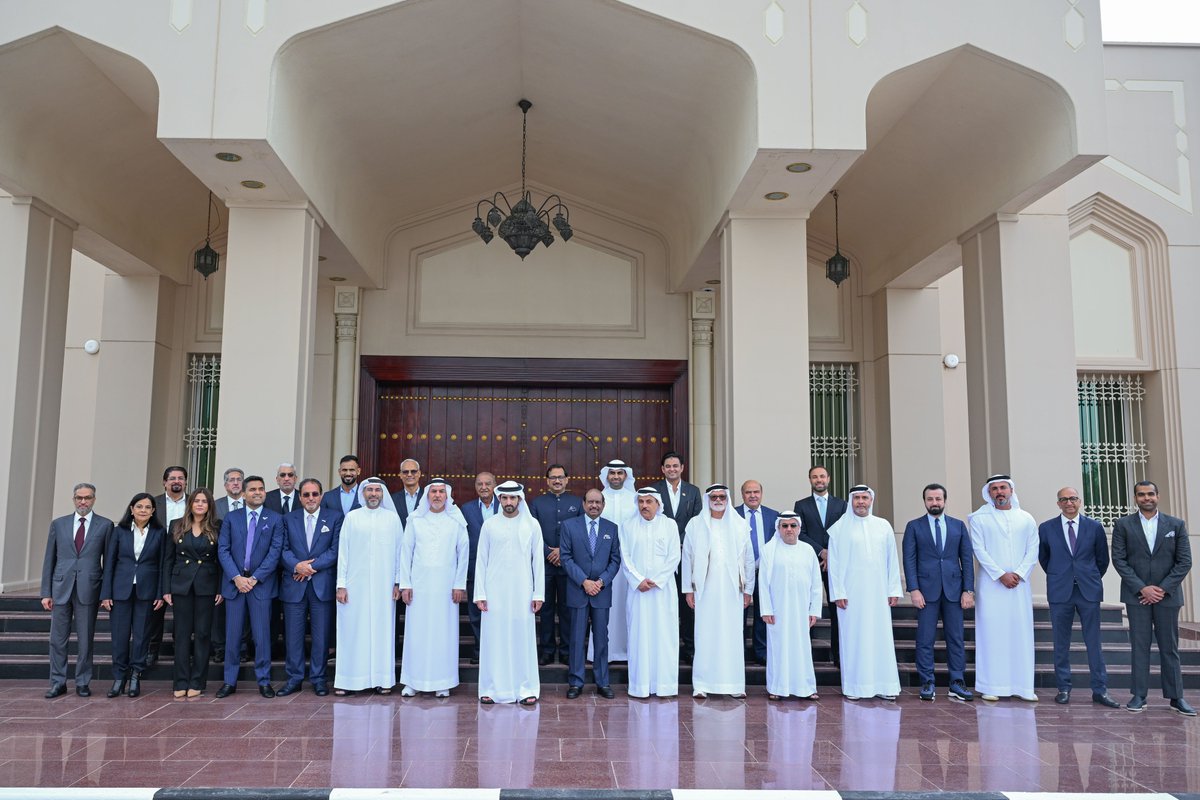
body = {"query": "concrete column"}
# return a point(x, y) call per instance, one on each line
point(764, 310)
point(700, 462)
point(1024, 417)
point(35, 267)
point(345, 368)
point(268, 336)
point(910, 434)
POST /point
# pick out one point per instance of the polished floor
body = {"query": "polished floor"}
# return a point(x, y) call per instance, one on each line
point(305, 740)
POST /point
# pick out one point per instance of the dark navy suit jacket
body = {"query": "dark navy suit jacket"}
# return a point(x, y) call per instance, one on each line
point(120, 567)
point(263, 564)
point(332, 501)
point(690, 503)
point(474, 517)
point(580, 564)
point(274, 501)
point(551, 512)
point(1084, 569)
point(811, 528)
point(766, 518)
point(950, 573)
point(324, 554)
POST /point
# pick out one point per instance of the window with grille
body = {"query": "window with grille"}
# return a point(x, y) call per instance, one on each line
point(200, 435)
point(832, 416)
point(1113, 448)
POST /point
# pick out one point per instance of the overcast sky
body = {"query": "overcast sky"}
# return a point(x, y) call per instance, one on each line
point(1150, 20)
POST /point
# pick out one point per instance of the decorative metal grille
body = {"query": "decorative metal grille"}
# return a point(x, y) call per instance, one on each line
point(200, 436)
point(834, 442)
point(1113, 448)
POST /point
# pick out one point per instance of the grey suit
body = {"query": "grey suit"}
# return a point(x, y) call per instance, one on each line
point(73, 582)
point(1166, 568)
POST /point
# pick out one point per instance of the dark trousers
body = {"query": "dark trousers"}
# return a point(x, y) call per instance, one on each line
point(258, 609)
point(1161, 623)
point(1062, 617)
point(130, 618)
point(473, 614)
point(835, 655)
point(951, 614)
point(310, 616)
point(193, 622)
point(83, 618)
point(581, 620)
point(687, 623)
point(759, 628)
point(554, 622)
point(218, 632)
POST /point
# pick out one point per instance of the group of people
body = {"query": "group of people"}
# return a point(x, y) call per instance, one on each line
point(653, 577)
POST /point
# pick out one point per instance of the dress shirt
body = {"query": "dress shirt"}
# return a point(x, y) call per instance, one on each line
point(87, 525)
point(236, 505)
point(310, 529)
point(1150, 528)
point(175, 509)
point(675, 492)
point(756, 530)
point(411, 500)
point(288, 501)
point(933, 530)
point(822, 505)
point(485, 510)
point(347, 498)
point(1067, 533)
point(139, 541)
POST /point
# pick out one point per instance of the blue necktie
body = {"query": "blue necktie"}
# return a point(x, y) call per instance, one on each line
point(1071, 534)
point(754, 531)
point(592, 537)
point(821, 505)
point(937, 533)
point(250, 530)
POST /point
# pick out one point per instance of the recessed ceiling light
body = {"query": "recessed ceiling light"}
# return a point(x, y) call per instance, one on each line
point(713, 282)
point(253, 184)
point(230, 157)
point(799, 166)
point(337, 279)
point(776, 195)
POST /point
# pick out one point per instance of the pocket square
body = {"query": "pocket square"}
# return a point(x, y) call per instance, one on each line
point(1171, 535)
point(607, 536)
point(324, 529)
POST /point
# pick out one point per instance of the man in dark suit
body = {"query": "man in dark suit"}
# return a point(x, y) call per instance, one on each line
point(283, 500)
point(939, 573)
point(308, 586)
point(168, 507)
point(248, 548)
point(343, 498)
point(1152, 554)
point(551, 510)
point(476, 512)
point(817, 514)
point(1073, 550)
point(762, 528)
point(72, 573)
point(591, 556)
point(681, 501)
point(410, 492)
point(232, 501)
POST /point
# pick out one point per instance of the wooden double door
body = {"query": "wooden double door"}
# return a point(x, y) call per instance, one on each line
point(514, 417)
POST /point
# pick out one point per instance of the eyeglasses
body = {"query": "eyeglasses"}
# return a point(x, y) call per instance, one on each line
point(287, 474)
point(310, 494)
point(1071, 499)
point(84, 499)
point(789, 525)
point(410, 472)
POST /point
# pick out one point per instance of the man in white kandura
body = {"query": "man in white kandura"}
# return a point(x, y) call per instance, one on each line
point(718, 583)
point(510, 584)
point(864, 584)
point(1005, 541)
point(789, 596)
point(649, 557)
point(620, 504)
point(367, 591)
point(433, 581)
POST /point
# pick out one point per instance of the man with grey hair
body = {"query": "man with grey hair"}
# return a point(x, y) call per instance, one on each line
point(233, 479)
point(409, 496)
point(71, 575)
point(283, 500)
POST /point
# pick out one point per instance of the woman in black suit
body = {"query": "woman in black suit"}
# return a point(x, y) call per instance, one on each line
point(192, 580)
point(132, 587)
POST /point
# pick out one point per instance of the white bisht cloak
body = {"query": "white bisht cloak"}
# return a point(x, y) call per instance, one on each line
point(433, 563)
point(1004, 541)
point(790, 589)
point(510, 574)
point(718, 566)
point(367, 568)
point(864, 570)
point(650, 549)
point(618, 508)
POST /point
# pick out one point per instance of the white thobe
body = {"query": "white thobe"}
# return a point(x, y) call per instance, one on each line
point(618, 507)
point(651, 550)
point(1004, 541)
point(368, 563)
point(789, 589)
point(433, 563)
point(865, 571)
point(718, 566)
point(510, 574)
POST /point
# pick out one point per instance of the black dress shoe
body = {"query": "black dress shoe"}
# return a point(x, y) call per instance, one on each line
point(225, 690)
point(1062, 698)
point(320, 691)
point(56, 690)
point(118, 688)
point(135, 684)
point(573, 692)
point(266, 691)
point(1182, 707)
point(151, 659)
point(543, 660)
point(928, 692)
point(244, 657)
point(286, 690)
point(760, 660)
point(218, 657)
point(606, 692)
point(83, 691)
point(564, 658)
point(1136, 704)
point(1105, 700)
point(475, 659)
